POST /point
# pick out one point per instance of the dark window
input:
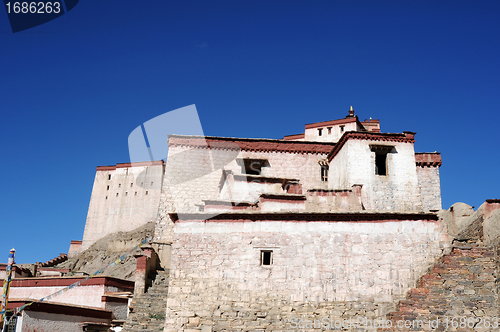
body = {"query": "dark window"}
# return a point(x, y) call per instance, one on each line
point(146, 192)
point(119, 185)
point(266, 257)
point(108, 188)
point(131, 185)
point(320, 131)
point(324, 173)
point(342, 128)
point(381, 163)
point(11, 326)
point(329, 130)
point(109, 176)
point(252, 166)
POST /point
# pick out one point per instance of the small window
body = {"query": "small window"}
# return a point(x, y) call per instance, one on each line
point(381, 163)
point(151, 183)
point(126, 193)
point(342, 128)
point(119, 185)
point(320, 131)
point(108, 188)
point(109, 176)
point(131, 185)
point(116, 194)
point(135, 194)
point(106, 197)
point(266, 257)
point(252, 166)
point(324, 173)
point(329, 130)
point(146, 192)
point(11, 326)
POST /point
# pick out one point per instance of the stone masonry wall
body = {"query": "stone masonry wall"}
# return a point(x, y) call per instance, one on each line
point(397, 191)
point(430, 187)
point(123, 198)
point(194, 177)
point(319, 269)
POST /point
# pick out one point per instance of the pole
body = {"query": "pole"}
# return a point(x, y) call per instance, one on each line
point(6, 285)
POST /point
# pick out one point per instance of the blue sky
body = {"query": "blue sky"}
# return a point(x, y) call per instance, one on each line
point(73, 89)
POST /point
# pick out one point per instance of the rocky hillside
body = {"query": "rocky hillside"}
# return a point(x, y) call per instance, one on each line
point(107, 250)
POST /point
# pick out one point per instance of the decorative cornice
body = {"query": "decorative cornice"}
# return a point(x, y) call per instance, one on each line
point(250, 144)
point(424, 159)
point(334, 122)
point(295, 136)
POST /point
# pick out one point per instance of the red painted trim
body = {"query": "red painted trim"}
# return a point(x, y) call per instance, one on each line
point(76, 242)
point(304, 217)
point(431, 159)
point(61, 309)
point(66, 281)
point(249, 144)
point(116, 299)
point(494, 200)
point(295, 136)
point(142, 262)
point(16, 269)
point(407, 137)
point(124, 165)
point(333, 123)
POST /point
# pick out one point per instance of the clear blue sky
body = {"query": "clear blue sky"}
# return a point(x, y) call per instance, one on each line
point(73, 89)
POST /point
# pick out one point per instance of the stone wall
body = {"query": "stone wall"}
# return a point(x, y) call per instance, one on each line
point(430, 187)
point(428, 179)
point(50, 322)
point(312, 134)
point(335, 269)
point(124, 197)
point(397, 191)
point(194, 172)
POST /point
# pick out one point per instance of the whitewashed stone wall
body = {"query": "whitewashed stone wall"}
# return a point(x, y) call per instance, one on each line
point(184, 189)
point(397, 191)
point(320, 269)
point(312, 134)
point(128, 200)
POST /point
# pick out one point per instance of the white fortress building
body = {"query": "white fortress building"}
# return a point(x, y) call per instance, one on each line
point(339, 216)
